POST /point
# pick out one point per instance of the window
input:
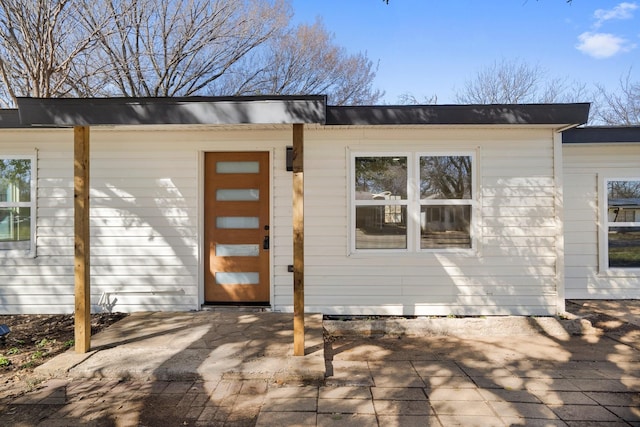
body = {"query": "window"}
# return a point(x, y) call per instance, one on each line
point(17, 205)
point(412, 202)
point(623, 223)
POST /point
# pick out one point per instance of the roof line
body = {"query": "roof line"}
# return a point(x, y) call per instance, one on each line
point(305, 109)
point(602, 135)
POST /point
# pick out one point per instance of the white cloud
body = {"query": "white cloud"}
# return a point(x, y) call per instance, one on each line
point(602, 45)
point(621, 11)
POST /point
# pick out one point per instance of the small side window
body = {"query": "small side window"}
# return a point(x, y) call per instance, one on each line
point(623, 223)
point(17, 206)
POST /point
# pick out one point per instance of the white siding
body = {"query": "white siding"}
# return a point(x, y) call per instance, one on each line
point(513, 269)
point(145, 216)
point(584, 167)
point(146, 223)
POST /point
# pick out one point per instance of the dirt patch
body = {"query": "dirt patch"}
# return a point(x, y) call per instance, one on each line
point(33, 340)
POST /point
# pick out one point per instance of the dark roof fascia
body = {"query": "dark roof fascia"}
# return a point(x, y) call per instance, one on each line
point(184, 111)
point(492, 114)
point(602, 135)
point(10, 119)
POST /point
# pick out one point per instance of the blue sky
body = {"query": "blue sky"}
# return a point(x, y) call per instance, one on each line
point(427, 47)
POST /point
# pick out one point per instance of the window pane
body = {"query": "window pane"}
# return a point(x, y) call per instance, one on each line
point(381, 178)
point(624, 247)
point(15, 180)
point(15, 228)
point(445, 177)
point(445, 226)
point(623, 201)
point(381, 227)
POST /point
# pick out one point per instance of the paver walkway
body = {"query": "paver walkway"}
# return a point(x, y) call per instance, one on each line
point(419, 381)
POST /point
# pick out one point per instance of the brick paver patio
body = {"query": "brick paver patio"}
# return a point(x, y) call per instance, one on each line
point(581, 380)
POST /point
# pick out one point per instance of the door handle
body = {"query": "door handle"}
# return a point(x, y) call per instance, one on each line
point(265, 243)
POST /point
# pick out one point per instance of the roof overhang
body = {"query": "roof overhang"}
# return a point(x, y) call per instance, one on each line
point(275, 110)
point(181, 111)
point(555, 115)
point(602, 135)
point(10, 118)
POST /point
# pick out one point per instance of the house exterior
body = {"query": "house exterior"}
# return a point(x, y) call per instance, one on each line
point(602, 212)
point(410, 210)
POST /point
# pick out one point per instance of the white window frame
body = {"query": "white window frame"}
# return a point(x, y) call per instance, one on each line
point(353, 202)
point(32, 204)
point(603, 247)
point(413, 203)
point(449, 202)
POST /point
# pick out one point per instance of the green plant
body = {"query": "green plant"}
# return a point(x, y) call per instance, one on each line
point(37, 355)
point(13, 350)
point(4, 361)
point(44, 342)
point(70, 343)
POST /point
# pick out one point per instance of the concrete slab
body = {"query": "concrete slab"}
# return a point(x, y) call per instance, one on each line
point(198, 346)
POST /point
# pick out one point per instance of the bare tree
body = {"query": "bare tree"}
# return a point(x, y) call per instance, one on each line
point(304, 60)
point(504, 82)
point(39, 47)
point(177, 48)
point(57, 48)
point(517, 82)
point(410, 99)
point(621, 107)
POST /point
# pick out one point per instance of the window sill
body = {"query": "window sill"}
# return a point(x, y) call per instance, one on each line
point(374, 253)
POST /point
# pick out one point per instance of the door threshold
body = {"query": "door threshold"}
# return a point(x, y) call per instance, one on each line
point(236, 308)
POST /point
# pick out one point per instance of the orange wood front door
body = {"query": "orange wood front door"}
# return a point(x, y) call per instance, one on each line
point(236, 225)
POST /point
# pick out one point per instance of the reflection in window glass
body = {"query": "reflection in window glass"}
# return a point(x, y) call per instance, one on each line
point(624, 247)
point(15, 204)
point(381, 227)
point(430, 196)
point(15, 226)
point(445, 226)
point(623, 216)
point(15, 180)
point(445, 177)
point(381, 178)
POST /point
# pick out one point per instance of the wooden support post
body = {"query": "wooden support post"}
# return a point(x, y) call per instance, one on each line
point(81, 228)
point(298, 240)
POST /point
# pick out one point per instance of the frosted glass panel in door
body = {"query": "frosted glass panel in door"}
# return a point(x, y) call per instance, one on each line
point(244, 278)
point(238, 195)
point(237, 250)
point(243, 222)
point(237, 167)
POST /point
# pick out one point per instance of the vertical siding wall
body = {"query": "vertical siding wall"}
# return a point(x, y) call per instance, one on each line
point(513, 270)
point(145, 216)
point(584, 166)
